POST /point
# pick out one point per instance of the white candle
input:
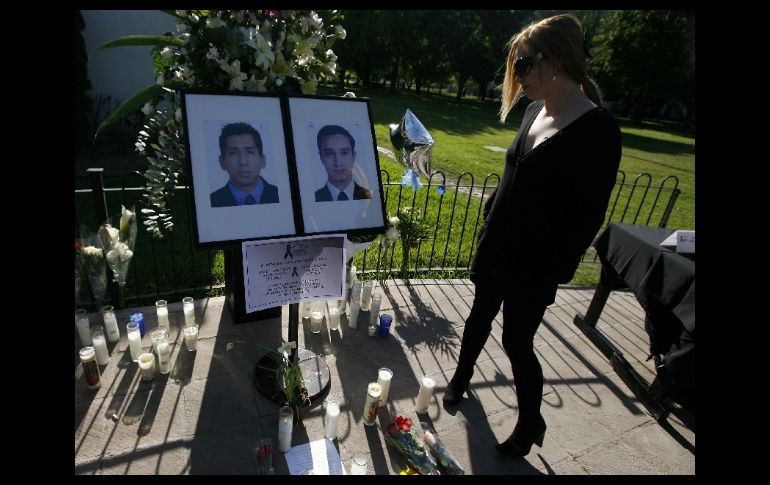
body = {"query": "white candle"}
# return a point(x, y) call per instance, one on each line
point(375, 309)
point(383, 379)
point(190, 336)
point(81, 322)
point(110, 323)
point(134, 340)
point(423, 397)
point(285, 424)
point(316, 318)
point(188, 307)
point(330, 420)
point(161, 307)
point(147, 365)
point(163, 349)
point(355, 294)
point(100, 345)
point(350, 277)
point(334, 318)
point(353, 318)
point(366, 295)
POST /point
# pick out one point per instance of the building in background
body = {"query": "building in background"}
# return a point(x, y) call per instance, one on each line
point(120, 72)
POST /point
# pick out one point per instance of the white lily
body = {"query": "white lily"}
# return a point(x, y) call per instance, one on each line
point(286, 347)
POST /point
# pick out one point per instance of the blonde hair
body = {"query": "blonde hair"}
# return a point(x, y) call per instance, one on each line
point(560, 38)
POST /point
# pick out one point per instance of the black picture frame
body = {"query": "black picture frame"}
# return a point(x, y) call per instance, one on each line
point(217, 221)
point(359, 216)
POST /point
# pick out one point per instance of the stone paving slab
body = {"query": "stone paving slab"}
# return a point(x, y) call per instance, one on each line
point(206, 416)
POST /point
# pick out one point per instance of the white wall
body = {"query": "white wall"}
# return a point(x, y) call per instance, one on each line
point(121, 72)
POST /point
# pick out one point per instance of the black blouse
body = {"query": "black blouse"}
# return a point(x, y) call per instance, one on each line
point(550, 202)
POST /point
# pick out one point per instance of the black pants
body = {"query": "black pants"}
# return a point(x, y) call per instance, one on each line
point(523, 307)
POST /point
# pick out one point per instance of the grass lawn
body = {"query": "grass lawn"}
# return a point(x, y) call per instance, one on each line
point(460, 132)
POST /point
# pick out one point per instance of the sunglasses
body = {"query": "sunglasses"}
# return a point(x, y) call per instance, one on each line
point(524, 65)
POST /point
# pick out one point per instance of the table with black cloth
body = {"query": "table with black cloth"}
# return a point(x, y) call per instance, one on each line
point(663, 282)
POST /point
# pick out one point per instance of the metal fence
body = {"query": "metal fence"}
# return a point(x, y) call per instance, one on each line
point(172, 267)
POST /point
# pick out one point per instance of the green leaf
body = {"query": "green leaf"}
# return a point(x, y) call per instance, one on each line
point(134, 40)
point(130, 105)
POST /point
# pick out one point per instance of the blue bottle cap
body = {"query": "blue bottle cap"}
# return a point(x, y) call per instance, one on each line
point(138, 317)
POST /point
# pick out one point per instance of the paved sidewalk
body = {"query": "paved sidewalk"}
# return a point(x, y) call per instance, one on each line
point(206, 415)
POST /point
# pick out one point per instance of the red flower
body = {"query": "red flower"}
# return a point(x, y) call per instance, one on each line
point(404, 424)
point(78, 246)
point(393, 430)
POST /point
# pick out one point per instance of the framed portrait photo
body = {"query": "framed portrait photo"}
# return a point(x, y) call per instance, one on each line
point(338, 169)
point(238, 168)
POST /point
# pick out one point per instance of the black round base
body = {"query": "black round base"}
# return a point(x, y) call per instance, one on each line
point(314, 370)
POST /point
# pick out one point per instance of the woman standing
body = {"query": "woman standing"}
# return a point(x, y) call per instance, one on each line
point(549, 205)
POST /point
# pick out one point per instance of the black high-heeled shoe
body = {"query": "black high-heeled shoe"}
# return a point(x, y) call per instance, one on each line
point(454, 393)
point(522, 439)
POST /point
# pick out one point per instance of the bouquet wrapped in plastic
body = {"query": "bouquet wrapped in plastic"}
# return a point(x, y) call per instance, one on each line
point(445, 458)
point(401, 437)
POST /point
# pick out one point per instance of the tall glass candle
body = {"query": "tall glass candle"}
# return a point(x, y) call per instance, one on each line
point(285, 425)
point(134, 340)
point(374, 310)
point(110, 323)
point(334, 318)
point(330, 420)
point(384, 375)
point(100, 344)
point(372, 404)
point(163, 349)
point(350, 276)
point(156, 334)
point(353, 318)
point(147, 365)
point(366, 295)
point(316, 321)
point(82, 324)
point(355, 294)
point(423, 397)
point(306, 307)
point(161, 308)
point(188, 307)
point(190, 333)
point(90, 368)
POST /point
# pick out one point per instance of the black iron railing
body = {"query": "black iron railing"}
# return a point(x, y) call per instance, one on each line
point(172, 267)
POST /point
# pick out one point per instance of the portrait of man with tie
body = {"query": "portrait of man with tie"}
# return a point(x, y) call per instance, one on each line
point(337, 150)
point(242, 157)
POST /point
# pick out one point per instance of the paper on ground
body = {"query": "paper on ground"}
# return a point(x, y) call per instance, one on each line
point(321, 456)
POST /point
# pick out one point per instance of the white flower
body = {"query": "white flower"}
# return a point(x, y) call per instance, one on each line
point(213, 54)
point(215, 22)
point(93, 251)
point(113, 233)
point(340, 30)
point(161, 79)
point(181, 27)
point(254, 84)
point(166, 53)
point(393, 221)
point(147, 109)
point(286, 348)
point(392, 234)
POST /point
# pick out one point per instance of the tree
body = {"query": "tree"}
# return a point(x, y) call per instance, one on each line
point(645, 56)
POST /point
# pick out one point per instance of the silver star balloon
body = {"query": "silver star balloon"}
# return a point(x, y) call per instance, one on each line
point(415, 144)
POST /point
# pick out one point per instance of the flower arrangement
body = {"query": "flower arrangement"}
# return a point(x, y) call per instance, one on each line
point(264, 456)
point(90, 261)
point(410, 227)
point(279, 51)
point(118, 245)
point(288, 375)
point(401, 436)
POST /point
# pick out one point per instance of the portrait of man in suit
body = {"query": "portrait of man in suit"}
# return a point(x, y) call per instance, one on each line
point(242, 157)
point(337, 149)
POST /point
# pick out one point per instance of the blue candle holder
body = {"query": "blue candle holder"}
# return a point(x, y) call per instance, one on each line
point(138, 317)
point(385, 322)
